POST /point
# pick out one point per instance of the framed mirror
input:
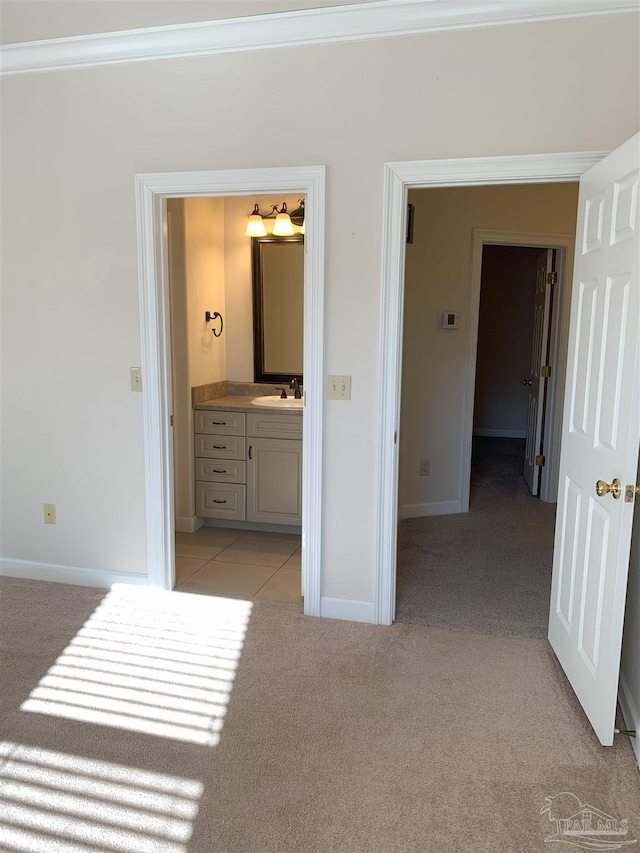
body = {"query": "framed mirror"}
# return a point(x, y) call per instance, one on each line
point(277, 265)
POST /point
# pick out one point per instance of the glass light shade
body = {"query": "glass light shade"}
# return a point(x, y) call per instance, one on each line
point(282, 226)
point(255, 226)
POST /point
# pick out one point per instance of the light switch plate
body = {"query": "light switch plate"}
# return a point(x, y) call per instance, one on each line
point(338, 387)
point(135, 378)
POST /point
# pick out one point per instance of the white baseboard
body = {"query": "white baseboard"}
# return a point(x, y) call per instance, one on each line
point(188, 524)
point(102, 578)
point(346, 608)
point(630, 713)
point(501, 433)
point(434, 508)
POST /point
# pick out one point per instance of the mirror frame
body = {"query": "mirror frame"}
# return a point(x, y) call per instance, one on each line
point(259, 373)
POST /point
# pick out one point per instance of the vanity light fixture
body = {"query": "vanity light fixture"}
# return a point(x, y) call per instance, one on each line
point(284, 221)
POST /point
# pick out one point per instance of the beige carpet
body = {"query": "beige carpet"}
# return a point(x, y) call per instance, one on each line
point(336, 736)
point(488, 570)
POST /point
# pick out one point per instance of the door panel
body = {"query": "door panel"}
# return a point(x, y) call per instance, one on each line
point(600, 436)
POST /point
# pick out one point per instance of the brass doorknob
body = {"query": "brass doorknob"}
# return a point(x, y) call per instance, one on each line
point(615, 489)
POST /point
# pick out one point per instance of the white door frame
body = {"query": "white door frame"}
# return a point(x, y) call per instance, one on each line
point(399, 178)
point(559, 332)
point(152, 191)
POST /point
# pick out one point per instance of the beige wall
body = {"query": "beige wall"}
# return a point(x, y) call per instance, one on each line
point(72, 142)
point(204, 249)
point(438, 279)
point(505, 337)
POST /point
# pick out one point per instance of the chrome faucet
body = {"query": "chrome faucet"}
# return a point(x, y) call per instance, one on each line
point(295, 386)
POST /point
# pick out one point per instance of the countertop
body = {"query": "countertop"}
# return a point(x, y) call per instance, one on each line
point(243, 404)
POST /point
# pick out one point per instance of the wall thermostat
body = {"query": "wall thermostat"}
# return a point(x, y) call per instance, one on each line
point(448, 320)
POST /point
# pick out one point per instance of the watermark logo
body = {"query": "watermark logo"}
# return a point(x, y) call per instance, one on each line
point(584, 825)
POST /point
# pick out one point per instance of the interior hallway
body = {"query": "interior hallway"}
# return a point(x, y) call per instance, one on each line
point(488, 570)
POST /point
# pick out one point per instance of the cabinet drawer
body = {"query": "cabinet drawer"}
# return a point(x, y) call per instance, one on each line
point(219, 446)
point(220, 470)
point(266, 425)
point(212, 422)
point(220, 500)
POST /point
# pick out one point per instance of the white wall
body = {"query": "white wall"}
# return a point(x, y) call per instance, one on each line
point(505, 337)
point(72, 142)
point(438, 279)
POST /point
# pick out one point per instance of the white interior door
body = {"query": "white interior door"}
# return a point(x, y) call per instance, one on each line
point(537, 382)
point(600, 435)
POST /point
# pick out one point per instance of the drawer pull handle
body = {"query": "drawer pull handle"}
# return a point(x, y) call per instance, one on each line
point(218, 502)
point(219, 423)
point(219, 446)
point(219, 470)
point(250, 452)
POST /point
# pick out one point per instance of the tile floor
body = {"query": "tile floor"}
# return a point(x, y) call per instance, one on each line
point(239, 563)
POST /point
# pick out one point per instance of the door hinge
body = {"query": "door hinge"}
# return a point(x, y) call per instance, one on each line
point(171, 420)
point(395, 437)
point(545, 370)
point(552, 278)
point(540, 460)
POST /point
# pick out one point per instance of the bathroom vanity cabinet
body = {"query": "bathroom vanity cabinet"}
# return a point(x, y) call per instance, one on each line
point(248, 466)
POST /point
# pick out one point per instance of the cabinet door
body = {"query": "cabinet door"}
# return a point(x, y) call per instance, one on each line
point(274, 481)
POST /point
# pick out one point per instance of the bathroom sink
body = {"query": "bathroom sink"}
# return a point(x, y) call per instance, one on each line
point(276, 402)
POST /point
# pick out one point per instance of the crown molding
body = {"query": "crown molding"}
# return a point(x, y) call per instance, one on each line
point(380, 19)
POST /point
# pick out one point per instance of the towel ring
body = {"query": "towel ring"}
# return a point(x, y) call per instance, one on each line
point(215, 316)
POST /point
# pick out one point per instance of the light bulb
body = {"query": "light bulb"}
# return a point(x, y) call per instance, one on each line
point(255, 224)
point(282, 226)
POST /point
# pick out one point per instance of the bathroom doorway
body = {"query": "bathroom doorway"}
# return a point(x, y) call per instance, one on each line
point(153, 191)
point(237, 312)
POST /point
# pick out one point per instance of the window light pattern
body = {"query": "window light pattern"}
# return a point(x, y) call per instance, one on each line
point(151, 661)
point(71, 804)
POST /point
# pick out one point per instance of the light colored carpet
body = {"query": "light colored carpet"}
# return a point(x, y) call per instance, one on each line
point(337, 736)
point(488, 570)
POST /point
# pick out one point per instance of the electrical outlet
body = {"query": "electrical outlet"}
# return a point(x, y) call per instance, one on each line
point(135, 378)
point(338, 387)
point(425, 467)
point(49, 513)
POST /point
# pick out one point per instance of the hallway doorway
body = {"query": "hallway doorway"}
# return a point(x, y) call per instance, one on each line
point(487, 571)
